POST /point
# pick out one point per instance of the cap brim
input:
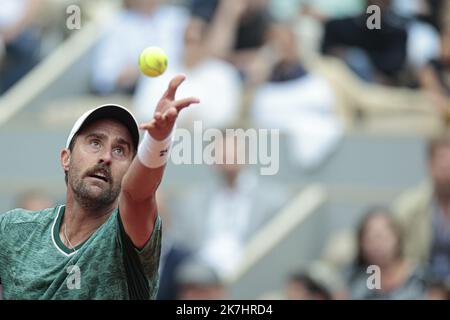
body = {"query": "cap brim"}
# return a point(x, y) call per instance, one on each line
point(107, 111)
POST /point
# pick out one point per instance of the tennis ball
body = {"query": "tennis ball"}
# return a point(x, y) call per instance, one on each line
point(153, 61)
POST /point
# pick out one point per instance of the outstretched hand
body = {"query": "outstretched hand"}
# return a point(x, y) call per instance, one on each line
point(167, 111)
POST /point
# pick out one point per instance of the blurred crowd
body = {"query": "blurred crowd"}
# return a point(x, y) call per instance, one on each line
point(19, 41)
point(251, 62)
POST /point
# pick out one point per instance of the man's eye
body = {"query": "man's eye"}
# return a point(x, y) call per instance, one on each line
point(95, 143)
point(119, 151)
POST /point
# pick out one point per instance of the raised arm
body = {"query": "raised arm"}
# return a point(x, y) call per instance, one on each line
point(137, 203)
point(221, 34)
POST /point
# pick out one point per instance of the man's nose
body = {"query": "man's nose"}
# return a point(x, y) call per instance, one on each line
point(106, 156)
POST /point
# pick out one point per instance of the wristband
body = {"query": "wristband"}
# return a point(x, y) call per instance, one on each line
point(154, 153)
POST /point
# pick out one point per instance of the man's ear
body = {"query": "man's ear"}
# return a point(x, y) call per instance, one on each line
point(65, 159)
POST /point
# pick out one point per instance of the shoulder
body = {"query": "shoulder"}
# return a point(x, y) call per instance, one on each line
point(18, 223)
point(112, 225)
point(413, 201)
point(19, 215)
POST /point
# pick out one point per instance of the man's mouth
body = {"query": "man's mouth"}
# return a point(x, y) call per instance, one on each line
point(102, 175)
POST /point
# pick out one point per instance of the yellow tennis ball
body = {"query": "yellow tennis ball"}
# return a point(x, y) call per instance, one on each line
point(153, 61)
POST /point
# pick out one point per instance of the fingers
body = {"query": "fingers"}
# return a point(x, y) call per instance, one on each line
point(171, 114)
point(173, 86)
point(158, 116)
point(161, 121)
point(183, 103)
point(149, 125)
point(167, 108)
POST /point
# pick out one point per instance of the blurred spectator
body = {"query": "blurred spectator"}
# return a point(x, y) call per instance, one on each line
point(216, 82)
point(429, 11)
point(34, 200)
point(318, 281)
point(425, 213)
point(437, 290)
point(302, 287)
point(380, 244)
point(330, 278)
point(198, 281)
point(393, 54)
point(239, 32)
point(287, 9)
point(434, 77)
point(20, 39)
point(308, 16)
point(300, 103)
point(2, 50)
point(370, 53)
point(218, 218)
point(141, 24)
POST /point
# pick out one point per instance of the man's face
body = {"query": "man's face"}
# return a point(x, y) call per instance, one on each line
point(100, 158)
point(440, 170)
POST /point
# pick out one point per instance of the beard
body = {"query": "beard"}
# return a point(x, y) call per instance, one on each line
point(84, 194)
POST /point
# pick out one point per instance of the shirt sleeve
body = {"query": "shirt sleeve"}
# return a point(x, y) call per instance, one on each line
point(150, 253)
point(141, 265)
point(2, 228)
point(3, 242)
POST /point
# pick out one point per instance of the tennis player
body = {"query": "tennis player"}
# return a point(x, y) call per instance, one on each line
point(104, 242)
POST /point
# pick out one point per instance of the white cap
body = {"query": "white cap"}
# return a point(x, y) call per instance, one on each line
point(107, 111)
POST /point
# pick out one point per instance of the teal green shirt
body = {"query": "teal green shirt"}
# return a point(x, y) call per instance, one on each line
point(35, 264)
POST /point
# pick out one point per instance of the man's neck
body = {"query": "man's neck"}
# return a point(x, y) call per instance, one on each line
point(79, 223)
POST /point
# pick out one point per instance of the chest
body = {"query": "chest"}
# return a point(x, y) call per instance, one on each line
point(36, 269)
